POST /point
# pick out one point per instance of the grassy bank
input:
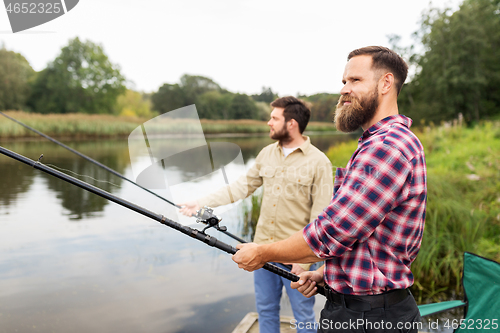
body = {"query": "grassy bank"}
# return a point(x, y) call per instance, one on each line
point(463, 208)
point(93, 126)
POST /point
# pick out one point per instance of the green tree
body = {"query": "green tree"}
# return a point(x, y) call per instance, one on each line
point(212, 102)
point(322, 106)
point(243, 107)
point(459, 71)
point(133, 103)
point(15, 74)
point(195, 85)
point(168, 98)
point(214, 105)
point(80, 79)
point(267, 95)
point(173, 96)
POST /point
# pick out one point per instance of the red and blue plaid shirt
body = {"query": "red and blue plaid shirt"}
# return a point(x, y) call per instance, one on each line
point(372, 229)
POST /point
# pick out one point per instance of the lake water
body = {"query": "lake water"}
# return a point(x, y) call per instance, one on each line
point(71, 261)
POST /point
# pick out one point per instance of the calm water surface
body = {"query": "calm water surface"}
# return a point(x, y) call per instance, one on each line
point(71, 261)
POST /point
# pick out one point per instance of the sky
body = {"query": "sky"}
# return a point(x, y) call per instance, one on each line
point(294, 47)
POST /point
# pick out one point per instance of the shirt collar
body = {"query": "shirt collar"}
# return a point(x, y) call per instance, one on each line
point(400, 119)
point(303, 147)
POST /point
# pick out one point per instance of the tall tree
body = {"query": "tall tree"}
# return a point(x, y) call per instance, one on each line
point(80, 79)
point(168, 98)
point(214, 105)
point(243, 107)
point(267, 95)
point(15, 74)
point(195, 85)
point(173, 96)
point(460, 71)
point(323, 106)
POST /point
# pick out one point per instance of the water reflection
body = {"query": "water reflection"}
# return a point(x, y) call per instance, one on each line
point(77, 203)
point(114, 270)
point(16, 179)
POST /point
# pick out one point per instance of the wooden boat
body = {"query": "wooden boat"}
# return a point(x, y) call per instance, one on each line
point(250, 324)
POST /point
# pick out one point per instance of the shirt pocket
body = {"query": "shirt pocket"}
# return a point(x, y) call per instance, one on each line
point(268, 177)
point(298, 187)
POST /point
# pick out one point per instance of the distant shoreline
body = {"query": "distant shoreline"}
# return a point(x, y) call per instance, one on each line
point(88, 127)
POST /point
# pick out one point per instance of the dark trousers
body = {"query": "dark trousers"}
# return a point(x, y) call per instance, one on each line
point(402, 317)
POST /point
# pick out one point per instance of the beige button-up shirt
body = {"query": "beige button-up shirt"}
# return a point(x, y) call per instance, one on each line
point(296, 190)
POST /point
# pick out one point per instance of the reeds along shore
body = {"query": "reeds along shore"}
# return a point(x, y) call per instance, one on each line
point(98, 126)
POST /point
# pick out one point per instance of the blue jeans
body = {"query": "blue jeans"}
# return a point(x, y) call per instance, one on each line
point(268, 289)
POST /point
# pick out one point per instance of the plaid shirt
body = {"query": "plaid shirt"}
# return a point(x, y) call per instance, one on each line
point(372, 229)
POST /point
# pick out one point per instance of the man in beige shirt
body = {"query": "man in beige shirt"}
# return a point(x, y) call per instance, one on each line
point(298, 184)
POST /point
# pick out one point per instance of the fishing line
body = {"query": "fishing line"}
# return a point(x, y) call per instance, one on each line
point(79, 175)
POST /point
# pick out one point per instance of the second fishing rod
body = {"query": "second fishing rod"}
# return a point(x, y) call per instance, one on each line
point(194, 233)
point(114, 172)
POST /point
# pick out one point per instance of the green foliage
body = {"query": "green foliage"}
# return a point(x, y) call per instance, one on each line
point(264, 111)
point(322, 106)
point(460, 71)
point(194, 86)
point(173, 96)
point(251, 213)
point(168, 98)
point(81, 79)
point(463, 210)
point(75, 125)
point(214, 105)
point(134, 104)
point(243, 107)
point(212, 102)
point(340, 154)
point(267, 96)
point(15, 74)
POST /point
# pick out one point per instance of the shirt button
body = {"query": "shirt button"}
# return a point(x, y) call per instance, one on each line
point(272, 223)
point(299, 180)
point(274, 205)
point(278, 188)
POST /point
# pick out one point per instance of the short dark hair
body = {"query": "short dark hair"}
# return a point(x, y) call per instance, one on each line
point(294, 108)
point(384, 58)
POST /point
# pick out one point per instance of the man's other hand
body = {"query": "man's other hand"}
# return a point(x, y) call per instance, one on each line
point(189, 208)
point(307, 283)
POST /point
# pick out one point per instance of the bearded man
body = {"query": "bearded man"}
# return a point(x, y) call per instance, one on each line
point(298, 184)
point(371, 231)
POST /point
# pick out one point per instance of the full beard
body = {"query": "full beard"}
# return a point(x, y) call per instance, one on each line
point(283, 136)
point(350, 117)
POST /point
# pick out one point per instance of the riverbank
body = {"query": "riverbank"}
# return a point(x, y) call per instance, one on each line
point(83, 126)
point(463, 208)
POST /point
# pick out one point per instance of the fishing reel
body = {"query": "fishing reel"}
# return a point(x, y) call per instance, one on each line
point(206, 215)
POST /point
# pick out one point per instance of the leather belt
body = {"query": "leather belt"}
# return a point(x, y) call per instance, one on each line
point(368, 302)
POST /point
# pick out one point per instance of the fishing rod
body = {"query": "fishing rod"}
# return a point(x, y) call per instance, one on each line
point(194, 233)
point(116, 173)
